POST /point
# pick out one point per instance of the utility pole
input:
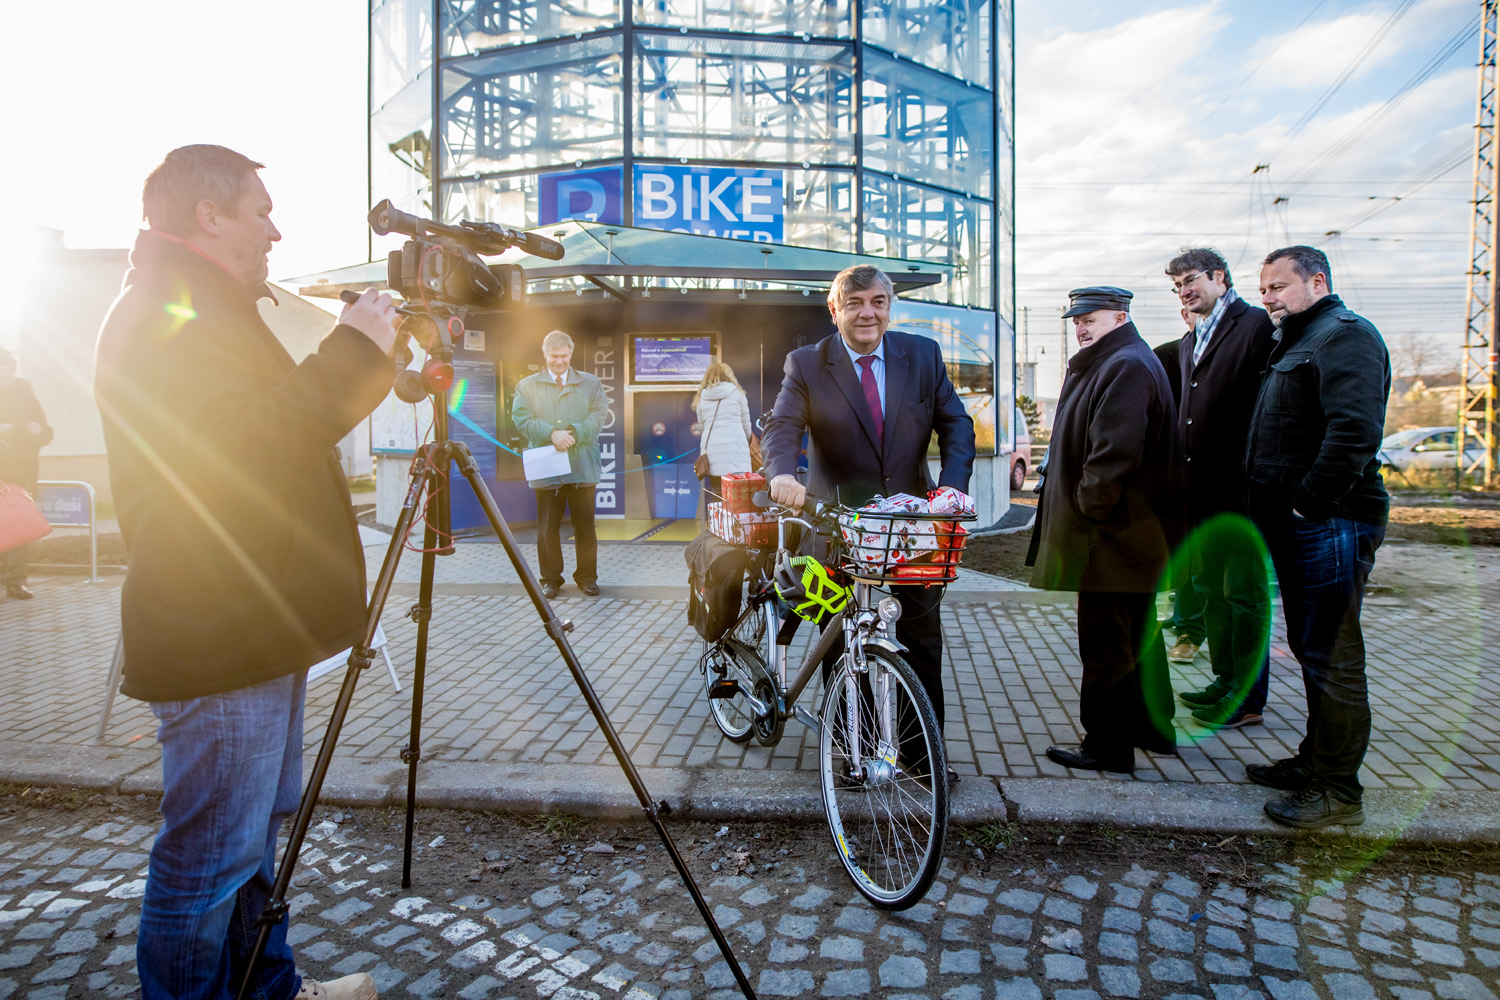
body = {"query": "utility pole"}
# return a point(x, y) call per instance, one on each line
point(1476, 403)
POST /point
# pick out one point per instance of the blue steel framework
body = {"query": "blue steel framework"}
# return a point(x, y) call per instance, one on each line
point(892, 119)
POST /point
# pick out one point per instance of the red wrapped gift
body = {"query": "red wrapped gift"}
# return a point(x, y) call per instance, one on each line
point(757, 530)
point(739, 488)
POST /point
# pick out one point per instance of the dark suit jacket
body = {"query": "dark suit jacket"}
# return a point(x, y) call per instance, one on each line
point(1217, 402)
point(820, 391)
point(1106, 520)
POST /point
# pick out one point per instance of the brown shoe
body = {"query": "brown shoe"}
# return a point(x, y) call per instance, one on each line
point(1183, 652)
point(20, 592)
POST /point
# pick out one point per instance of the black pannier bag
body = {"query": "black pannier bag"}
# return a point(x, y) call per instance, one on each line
point(716, 577)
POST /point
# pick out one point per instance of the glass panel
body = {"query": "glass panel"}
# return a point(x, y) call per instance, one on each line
point(948, 35)
point(921, 124)
point(820, 18)
point(533, 108)
point(400, 150)
point(820, 209)
point(727, 99)
point(906, 220)
point(510, 201)
point(400, 46)
point(471, 26)
point(967, 339)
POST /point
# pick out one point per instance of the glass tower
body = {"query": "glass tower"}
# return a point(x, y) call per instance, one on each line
point(888, 122)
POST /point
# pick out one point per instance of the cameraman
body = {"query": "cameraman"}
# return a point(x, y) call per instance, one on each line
point(244, 555)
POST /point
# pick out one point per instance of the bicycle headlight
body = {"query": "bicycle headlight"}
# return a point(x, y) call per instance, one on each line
point(889, 610)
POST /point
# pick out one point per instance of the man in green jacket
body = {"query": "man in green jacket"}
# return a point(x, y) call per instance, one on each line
point(564, 408)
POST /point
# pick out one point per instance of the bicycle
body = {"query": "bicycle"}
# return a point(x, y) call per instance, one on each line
point(881, 761)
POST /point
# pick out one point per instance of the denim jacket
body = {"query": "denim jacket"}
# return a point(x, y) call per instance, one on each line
point(1318, 420)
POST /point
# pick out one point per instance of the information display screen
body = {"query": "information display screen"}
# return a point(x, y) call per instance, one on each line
point(670, 360)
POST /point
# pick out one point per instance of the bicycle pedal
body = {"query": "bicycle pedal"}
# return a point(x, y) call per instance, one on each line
point(724, 687)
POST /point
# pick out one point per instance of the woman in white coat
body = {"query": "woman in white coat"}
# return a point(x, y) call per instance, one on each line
point(724, 427)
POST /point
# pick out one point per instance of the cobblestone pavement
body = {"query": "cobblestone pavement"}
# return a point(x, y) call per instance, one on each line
point(501, 911)
point(497, 691)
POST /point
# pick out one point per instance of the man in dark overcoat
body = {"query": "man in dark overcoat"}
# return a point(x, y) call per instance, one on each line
point(245, 563)
point(1105, 527)
point(1220, 363)
point(871, 401)
point(23, 432)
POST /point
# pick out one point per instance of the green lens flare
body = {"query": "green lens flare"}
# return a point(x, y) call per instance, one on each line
point(456, 397)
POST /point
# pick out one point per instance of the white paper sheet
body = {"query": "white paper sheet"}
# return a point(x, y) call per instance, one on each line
point(544, 462)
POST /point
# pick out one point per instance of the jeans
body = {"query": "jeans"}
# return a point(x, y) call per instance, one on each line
point(578, 500)
point(1236, 593)
point(232, 772)
point(1322, 567)
point(1125, 697)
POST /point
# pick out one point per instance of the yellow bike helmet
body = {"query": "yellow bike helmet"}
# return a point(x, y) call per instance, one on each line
point(806, 586)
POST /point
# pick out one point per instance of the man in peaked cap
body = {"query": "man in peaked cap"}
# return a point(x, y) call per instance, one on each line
point(1103, 530)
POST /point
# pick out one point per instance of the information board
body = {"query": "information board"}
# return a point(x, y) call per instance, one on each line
point(670, 360)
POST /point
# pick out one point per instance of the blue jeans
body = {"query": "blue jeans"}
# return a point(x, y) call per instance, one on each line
point(232, 772)
point(1322, 567)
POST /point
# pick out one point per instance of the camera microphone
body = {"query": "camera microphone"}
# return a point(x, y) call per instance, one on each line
point(538, 246)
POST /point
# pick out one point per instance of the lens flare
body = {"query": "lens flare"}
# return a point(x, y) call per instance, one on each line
point(456, 397)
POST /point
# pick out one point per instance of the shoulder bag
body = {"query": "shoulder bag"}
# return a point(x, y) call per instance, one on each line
point(20, 521)
point(700, 464)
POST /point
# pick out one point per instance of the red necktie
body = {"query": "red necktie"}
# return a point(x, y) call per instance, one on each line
point(872, 394)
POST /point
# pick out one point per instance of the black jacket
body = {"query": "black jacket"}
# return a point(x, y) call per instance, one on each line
point(244, 556)
point(1216, 403)
point(19, 450)
point(1106, 520)
point(1318, 420)
point(820, 391)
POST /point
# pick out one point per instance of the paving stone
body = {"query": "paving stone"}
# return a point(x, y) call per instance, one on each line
point(859, 919)
point(1222, 965)
point(1080, 887)
point(1118, 946)
point(784, 983)
point(1371, 896)
point(1378, 922)
point(1395, 973)
point(1169, 906)
point(1120, 980)
point(1276, 956)
point(962, 963)
point(1020, 899)
point(1222, 938)
point(1075, 995)
point(1173, 970)
point(967, 906)
point(1016, 928)
point(1334, 958)
point(1169, 936)
point(1062, 909)
point(1235, 991)
point(847, 983)
point(1442, 930)
point(1442, 954)
point(903, 972)
point(1289, 989)
point(1009, 957)
point(1018, 988)
point(1065, 968)
point(1118, 919)
point(1348, 986)
point(795, 925)
point(842, 949)
point(1462, 986)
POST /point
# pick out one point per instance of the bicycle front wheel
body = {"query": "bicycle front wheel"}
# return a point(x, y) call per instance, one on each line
point(884, 777)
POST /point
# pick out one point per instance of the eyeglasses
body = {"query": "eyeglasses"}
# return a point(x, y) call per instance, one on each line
point(1178, 284)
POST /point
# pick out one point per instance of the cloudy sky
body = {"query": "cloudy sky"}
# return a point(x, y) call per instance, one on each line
point(1141, 125)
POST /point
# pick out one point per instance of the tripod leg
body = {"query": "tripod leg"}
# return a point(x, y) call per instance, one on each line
point(558, 632)
point(359, 658)
point(421, 613)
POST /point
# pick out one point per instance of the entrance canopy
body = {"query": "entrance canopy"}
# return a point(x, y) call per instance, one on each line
point(629, 264)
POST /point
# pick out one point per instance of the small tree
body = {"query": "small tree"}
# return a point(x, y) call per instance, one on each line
point(1033, 416)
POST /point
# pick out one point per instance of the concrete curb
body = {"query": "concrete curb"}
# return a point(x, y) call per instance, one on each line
point(601, 791)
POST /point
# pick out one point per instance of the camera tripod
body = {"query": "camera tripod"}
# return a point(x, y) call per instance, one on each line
point(429, 475)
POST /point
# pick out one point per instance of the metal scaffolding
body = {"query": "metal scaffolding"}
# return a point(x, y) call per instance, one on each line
point(1476, 405)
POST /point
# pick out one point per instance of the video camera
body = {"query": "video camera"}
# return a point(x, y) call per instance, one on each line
point(439, 267)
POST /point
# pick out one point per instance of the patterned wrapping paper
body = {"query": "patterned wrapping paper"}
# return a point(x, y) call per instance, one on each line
point(908, 548)
point(739, 488)
point(757, 529)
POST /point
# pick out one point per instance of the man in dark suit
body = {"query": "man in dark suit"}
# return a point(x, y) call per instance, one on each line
point(870, 401)
point(1220, 364)
point(1105, 526)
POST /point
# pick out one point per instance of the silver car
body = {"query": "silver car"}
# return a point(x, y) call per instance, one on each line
point(1424, 448)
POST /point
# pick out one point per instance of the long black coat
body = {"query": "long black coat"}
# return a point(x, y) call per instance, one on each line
point(19, 450)
point(820, 391)
point(245, 560)
point(1106, 520)
point(1217, 402)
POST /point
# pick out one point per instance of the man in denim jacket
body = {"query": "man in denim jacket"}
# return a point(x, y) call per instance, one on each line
point(1315, 492)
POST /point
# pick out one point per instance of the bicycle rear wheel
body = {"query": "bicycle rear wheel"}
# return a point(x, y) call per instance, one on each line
point(736, 658)
point(885, 787)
